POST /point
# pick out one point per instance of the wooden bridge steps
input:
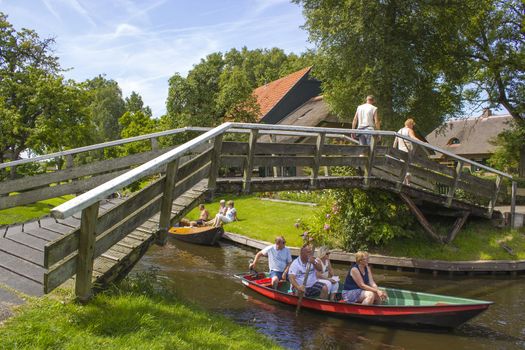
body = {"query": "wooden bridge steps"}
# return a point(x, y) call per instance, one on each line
point(22, 245)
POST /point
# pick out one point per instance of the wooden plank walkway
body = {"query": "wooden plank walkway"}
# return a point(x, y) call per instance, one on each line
point(22, 245)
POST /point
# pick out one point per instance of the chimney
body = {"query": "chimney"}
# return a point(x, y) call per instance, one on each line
point(487, 112)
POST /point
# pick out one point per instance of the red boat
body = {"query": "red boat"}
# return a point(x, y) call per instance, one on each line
point(403, 307)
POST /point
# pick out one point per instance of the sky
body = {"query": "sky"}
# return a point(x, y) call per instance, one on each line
point(141, 44)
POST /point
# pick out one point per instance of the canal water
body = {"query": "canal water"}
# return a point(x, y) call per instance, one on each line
point(204, 276)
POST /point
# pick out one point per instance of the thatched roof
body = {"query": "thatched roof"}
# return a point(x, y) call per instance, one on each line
point(468, 137)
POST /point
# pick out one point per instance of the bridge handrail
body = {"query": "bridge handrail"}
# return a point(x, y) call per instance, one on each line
point(98, 193)
point(102, 145)
point(369, 132)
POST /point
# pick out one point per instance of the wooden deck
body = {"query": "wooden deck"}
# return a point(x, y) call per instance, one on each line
point(22, 246)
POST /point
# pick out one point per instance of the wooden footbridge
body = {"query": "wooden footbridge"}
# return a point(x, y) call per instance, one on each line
point(97, 236)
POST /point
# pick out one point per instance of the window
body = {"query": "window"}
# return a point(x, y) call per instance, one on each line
point(453, 141)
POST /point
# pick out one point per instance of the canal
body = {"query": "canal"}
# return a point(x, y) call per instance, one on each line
point(204, 276)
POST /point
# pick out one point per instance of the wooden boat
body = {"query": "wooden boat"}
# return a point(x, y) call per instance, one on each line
point(205, 235)
point(403, 307)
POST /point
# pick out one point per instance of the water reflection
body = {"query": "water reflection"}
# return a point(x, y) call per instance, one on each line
point(204, 275)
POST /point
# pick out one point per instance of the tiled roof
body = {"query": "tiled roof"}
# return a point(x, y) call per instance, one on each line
point(270, 94)
point(473, 134)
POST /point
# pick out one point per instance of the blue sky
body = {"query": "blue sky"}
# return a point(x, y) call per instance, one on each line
point(141, 44)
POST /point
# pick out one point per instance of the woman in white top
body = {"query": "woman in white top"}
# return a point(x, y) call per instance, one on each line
point(405, 145)
point(231, 215)
point(326, 274)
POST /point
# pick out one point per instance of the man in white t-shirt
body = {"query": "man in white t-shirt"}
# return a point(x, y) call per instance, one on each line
point(366, 118)
point(279, 259)
point(297, 274)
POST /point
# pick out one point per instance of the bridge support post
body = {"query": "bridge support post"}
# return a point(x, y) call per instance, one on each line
point(370, 163)
point(247, 178)
point(494, 197)
point(452, 190)
point(86, 249)
point(420, 217)
point(317, 159)
point(215, 165)
point(167, 202)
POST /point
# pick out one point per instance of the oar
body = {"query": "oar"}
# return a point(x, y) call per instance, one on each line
point(308, 266)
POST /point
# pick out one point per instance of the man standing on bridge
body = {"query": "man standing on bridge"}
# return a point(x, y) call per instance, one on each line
point(366, 118)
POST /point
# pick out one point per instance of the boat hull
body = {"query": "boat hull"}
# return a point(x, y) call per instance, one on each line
point(197, 235)
point(442, 315)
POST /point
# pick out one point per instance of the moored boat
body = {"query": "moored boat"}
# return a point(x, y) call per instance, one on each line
point(205, 235)
point(403, 307)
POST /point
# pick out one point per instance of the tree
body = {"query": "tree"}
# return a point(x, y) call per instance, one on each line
point(106, 107)
point(136, 124)
point(220, 87)
point(388, 49)
point(134, 103)
point(38, 108)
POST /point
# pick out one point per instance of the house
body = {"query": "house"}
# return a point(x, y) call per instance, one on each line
point(469, 138)
point(281, 97)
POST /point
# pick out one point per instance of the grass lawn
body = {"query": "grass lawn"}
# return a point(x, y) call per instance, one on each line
point(263, 219)
point(135, 316)
point(478, 240)
point(28, 212)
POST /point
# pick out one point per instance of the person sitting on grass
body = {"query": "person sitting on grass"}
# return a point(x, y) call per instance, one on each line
point(359, 284)
point(231, 215)
point(297, 274)
point(279, 260)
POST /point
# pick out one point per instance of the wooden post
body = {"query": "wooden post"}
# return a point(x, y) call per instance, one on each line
point(215, 164)
point(460, 221)
point(370, 163)
point(274, 169)
point(167, 202)
point(86, 249)
point(406, 166)
point(513, 204)
point(154, 144)
point(452, 189)
point(421, 218)
point(494, 198)
point(69, 161)
point(317, 158)
point(247, 178)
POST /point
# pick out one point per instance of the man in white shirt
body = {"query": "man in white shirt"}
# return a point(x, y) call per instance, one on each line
point(297, 274)
point(366, 118)
point(279, 260)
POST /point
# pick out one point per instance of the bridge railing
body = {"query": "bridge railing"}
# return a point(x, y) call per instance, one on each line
point(268, 146)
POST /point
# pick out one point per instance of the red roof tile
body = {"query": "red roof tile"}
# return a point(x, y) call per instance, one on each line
point(270, 94)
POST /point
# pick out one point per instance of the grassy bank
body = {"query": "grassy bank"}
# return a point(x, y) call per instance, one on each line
point(478, 240)
point(261, 219)
point(135, 316)
point(28, 212)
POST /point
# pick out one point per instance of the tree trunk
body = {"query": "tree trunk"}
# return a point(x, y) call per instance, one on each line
point(521, 169)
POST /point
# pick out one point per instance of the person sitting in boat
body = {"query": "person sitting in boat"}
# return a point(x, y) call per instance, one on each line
point(230, 216)
point(359, 284)
point(279, 260)
point(297, 275)
point(203, 217)
point(326, 274)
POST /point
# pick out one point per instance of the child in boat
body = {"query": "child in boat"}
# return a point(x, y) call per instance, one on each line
point(359, 284)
